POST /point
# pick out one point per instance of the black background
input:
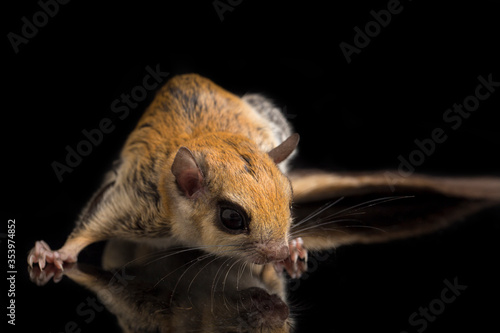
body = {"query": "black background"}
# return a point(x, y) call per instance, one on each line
point(351, 116)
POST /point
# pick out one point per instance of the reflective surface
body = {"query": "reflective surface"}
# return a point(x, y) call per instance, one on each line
point(184, 291)
point(354, 288)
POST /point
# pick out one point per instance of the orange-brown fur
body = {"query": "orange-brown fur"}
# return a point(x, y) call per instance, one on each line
point(229, 140)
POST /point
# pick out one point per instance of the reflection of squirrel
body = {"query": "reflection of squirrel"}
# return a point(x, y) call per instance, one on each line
point(199, 170)
point(181, 291)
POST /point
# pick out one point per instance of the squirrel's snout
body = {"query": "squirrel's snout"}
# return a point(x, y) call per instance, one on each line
point(272, 251)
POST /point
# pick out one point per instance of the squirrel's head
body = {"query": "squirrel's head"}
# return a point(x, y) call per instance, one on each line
point(230, 198)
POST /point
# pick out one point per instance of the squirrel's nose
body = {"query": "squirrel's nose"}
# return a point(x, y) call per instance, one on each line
point(277, 251)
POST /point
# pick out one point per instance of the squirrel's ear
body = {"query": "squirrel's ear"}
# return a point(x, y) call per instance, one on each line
point(187, 174)
point(281, 152)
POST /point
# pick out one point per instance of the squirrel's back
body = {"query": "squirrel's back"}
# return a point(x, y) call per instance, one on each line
point(190, 106)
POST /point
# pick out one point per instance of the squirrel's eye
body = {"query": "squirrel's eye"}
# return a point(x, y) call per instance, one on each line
point(232, 219)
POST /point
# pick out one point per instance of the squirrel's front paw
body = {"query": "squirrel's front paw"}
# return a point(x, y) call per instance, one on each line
point(296, 263)
point(42, 254)
point(41, 277)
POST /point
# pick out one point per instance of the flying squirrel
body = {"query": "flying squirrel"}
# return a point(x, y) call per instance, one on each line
point(203, 168)
point(208, 170)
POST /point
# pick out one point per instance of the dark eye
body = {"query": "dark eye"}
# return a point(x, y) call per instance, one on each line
point(232, 219)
